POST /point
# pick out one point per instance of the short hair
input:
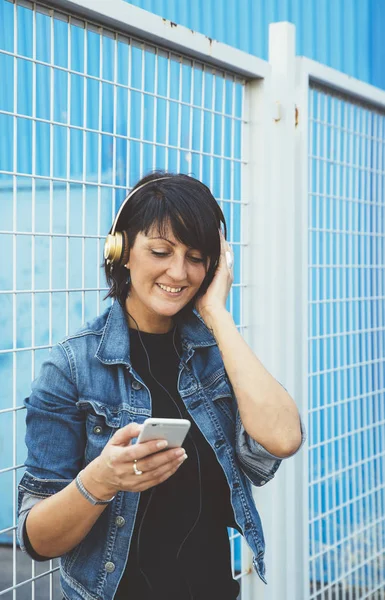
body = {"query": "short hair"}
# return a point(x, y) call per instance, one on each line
point(181, 202)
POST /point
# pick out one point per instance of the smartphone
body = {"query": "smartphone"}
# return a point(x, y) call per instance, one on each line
point(172, 430)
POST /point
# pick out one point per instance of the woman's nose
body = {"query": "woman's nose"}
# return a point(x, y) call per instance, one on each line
point(177, 269)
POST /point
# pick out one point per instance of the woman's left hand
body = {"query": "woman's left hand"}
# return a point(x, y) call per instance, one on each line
point(214, 299)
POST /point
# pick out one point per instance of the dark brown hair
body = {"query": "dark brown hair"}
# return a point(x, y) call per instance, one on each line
point(178, 201)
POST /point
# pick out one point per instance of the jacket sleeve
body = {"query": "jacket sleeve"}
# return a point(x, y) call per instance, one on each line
point(258, 464)
point(55, 436)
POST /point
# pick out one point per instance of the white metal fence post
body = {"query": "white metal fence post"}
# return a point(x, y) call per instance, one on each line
point(280, 319)
point(255, 184)
point(301, 373)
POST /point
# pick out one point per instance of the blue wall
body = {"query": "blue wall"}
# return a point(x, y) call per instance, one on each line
point(344, 34)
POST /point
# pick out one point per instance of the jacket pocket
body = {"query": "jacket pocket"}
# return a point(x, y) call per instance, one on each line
point(101, 424)
point(222, 396)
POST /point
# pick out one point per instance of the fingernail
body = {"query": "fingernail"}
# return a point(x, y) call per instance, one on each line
point(179, 452)
point(162, 444)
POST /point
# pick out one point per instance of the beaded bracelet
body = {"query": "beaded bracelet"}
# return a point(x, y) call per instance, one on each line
point(87, 495)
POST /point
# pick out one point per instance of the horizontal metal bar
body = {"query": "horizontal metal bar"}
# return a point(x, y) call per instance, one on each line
point(134, 21)
point(348, 400)
point(62, 180)
point(54, 235)
point(242, 574)
point(53, 291)
point(340, 334)
point(371, 234)
point(346, 299)
point(340, 163)
point(14, 468)
point(26, 349)
point(344, 266)
point(342, 198)
point(364, 363)
point(10, 410)
point(7, 530)
point(340, 82)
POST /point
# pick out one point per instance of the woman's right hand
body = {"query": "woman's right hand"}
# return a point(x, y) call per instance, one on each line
point(113, 470)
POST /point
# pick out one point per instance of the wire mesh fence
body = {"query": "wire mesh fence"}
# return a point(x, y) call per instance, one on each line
point(346, 348)
point(85, 113)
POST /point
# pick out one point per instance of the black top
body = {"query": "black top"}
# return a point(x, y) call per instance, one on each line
point(204, 563)
point(203, 569)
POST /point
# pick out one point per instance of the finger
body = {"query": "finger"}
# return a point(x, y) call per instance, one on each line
point(223, 241)
point(225, 246)
point(160, 459)
point(153, 448)
point(159, 475)
point(124, 435)
point(229, 259)
point(122, 461)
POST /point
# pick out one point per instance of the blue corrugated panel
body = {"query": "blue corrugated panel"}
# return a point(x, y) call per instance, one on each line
point(377, 21)
point(344, 34)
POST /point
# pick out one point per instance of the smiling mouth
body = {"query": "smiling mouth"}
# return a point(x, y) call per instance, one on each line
point(170, 290)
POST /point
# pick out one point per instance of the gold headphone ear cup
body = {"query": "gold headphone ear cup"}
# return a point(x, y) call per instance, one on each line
point(113, 248)
point(125, 249)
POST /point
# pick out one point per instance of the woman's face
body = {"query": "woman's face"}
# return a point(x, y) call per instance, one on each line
point(165, 276)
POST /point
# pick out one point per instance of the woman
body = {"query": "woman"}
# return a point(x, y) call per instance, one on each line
point(143, 521)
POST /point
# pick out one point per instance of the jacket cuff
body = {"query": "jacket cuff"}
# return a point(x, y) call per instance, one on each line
point(258, 464)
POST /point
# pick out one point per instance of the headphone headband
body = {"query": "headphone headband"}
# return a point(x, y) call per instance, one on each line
point(116, 244)
point(130, 196)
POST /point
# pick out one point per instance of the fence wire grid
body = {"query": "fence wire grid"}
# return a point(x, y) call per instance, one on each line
point(85, 113)
point(346, 348)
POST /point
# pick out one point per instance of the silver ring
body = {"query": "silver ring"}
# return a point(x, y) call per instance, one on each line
point(229, 259)
point(136, 470)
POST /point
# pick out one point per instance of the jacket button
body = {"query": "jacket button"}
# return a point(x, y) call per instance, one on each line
point(219, 443)
point(262, 482)
point(120, 521)
point(235, 485)
point(136, 385)
point(109, 567)
point(98, 430)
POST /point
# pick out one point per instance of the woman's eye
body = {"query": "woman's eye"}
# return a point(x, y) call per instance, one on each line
point(196, 259)
point(159, 254)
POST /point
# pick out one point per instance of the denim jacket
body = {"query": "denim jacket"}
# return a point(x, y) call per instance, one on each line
point(86, 390)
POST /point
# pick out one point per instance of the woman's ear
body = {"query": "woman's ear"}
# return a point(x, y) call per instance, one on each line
point(128, 280)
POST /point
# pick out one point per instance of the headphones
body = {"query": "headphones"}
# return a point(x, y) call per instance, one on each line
point(116, 244)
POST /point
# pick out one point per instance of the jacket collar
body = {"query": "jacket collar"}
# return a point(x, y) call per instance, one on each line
point(114, 347)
